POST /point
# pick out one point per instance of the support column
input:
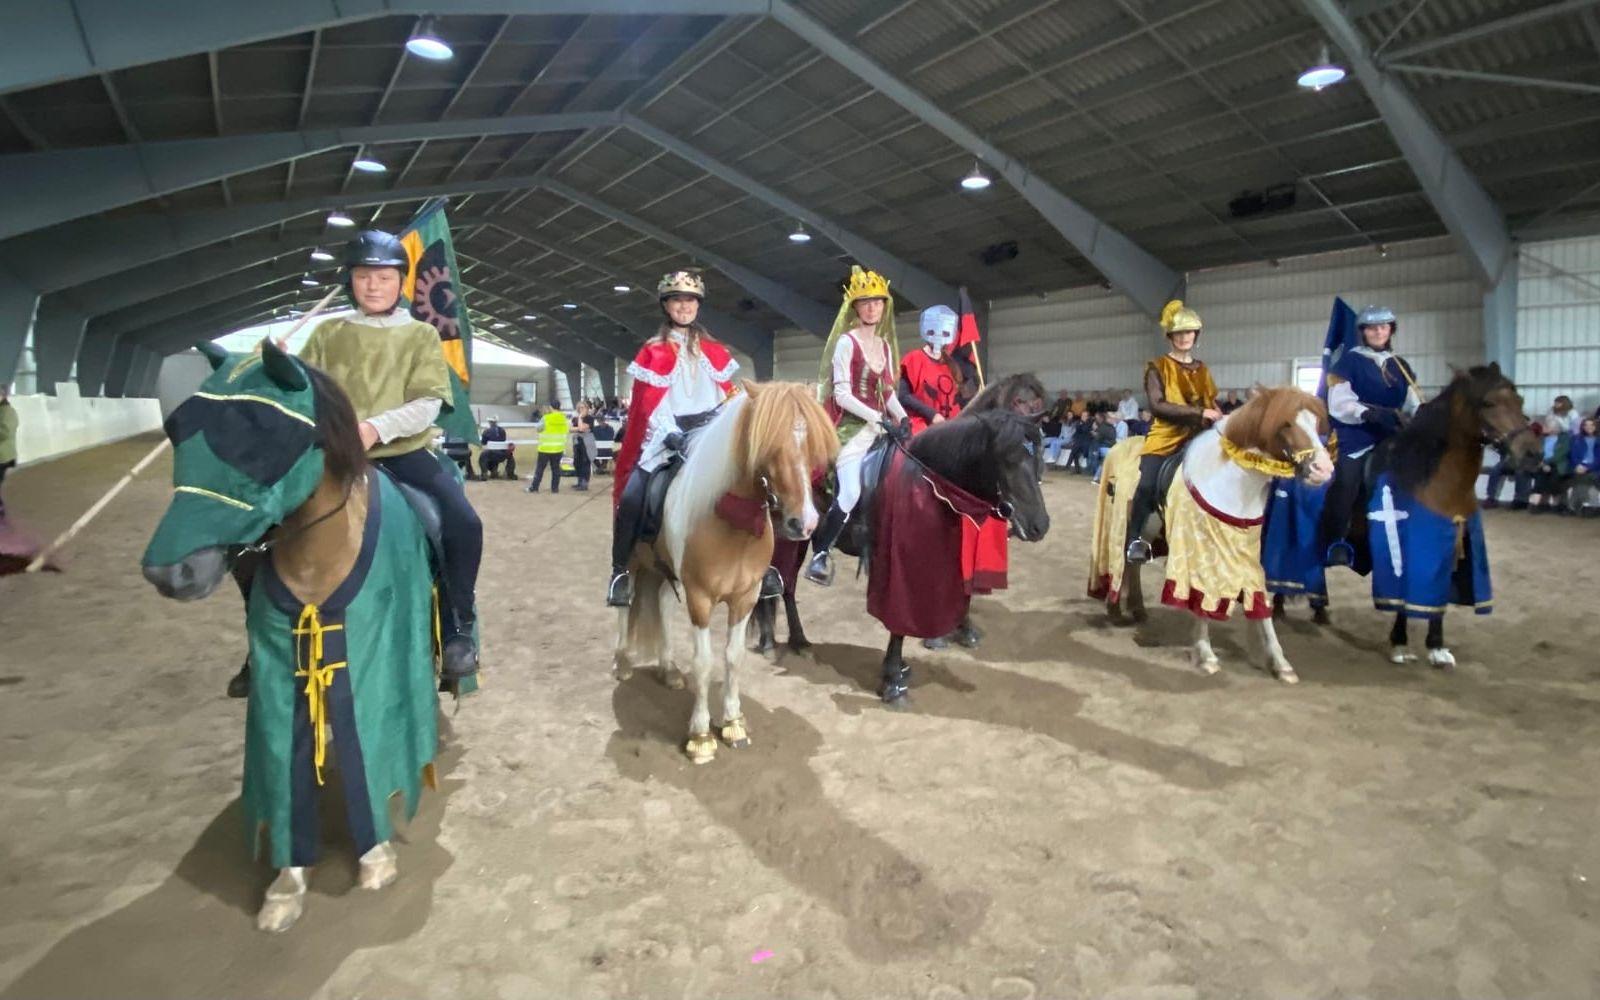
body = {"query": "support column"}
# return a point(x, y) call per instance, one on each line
point(1500, 320)
point(148, 376)
point(57, 334)
point(122, 358)
point(94, 357)
point(18, 303)
point(608, 381)
point(764, 360)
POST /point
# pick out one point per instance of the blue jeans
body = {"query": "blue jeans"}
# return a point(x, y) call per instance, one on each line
point(1097, 458)
point(1052, 449)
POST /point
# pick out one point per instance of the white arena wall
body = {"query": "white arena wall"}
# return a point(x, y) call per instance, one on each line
point(1558, 323)
point(52, 426)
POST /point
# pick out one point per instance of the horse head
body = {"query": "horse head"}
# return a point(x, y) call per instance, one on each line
point(995, 450)
point(1286, 425)
point(1490, 400)
point(788, 439)
point(249, 448)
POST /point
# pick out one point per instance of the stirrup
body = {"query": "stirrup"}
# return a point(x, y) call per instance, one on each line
point(1139, 551)
point(620, 593)
point(459, 658)
point(771, 584)
point(1340, 554)
point(820, 569)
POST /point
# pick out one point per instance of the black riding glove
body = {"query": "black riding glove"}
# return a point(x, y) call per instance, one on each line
point(897, 430)
point(1381, 416)
point(673, 442)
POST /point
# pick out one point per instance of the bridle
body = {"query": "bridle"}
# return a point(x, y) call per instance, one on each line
point(266, 545)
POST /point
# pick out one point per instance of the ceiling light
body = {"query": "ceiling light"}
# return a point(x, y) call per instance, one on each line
point(621, 288)
point(501, 326)
point(340, 219)
point(426, 43)
point(368, 165)
point(1324, 74)
point(320, 254)
point(976, 179)
point(529, 316)
point(1383, 251)
point(308, 281)
point(799, 235)
point(569, 305)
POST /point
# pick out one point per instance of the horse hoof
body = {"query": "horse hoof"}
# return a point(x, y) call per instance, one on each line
point(897, 703)
point(1441, 659)
point(1208, 665)
point(621, 670)
point(1320, 616)
point(800, 645)
point(935, 644)
point(1139, 616)
point(766, 644)
point(701, 748)
point(672, 679)
point(967, 637)
point(379, 867)
point(734, 734)
point(1400, 654)
point(1286, 674)
point(285, 902)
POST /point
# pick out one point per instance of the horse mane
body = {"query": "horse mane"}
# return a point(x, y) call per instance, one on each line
point(769, 427)
point(1417, 449)
point(338, 431)
point(1001, 394)
point(1254, 424)
point(963, 450)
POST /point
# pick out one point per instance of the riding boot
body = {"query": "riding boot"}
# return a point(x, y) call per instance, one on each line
point(239, 683)
point(820, 569)
point(624, 532)
point(771, 584)
point(1340, 553)
point(459, 658)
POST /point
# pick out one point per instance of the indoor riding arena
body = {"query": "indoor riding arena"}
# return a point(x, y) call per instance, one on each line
point(991, 499)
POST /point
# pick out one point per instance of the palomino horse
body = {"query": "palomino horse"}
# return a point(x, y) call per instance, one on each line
point(1213, 514)
point(340, 616)
point(1432, 466)
point(754, 460)
point(984, 463)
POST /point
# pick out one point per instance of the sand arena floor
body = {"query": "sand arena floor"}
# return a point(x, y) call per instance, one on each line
point(1069, 811)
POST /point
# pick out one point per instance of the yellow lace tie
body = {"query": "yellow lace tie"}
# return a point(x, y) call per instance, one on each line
point(318, 675)
point(1254, 460)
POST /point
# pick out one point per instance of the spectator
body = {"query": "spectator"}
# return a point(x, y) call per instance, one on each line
point(1084, 444)
point(491, 459)
point(8, 440)
point(1561, 419)
point(1104, 438)
point(583, 446)
point(1128, 408)
point(1583, 457)
point(1139, 425)
point(1521, 474)
point(1051, 428)
point(1550, 476)
point(552, 443)
point(1231, 403)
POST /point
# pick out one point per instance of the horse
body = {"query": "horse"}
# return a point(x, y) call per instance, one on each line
point(747, 472)
point(984, 463)
point(341, 615)
point(1212, 518)
point(1433, 464)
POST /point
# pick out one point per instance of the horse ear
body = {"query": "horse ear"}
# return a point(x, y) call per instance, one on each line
point(281, 368)
point(213, 352)
point(751, 389)
point(1494, 366)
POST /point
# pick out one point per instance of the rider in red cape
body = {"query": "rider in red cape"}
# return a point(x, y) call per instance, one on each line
point(680, 377)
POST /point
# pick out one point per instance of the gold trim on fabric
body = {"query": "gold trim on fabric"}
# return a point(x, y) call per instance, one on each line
point(1255, 461)
point(308, 421)
point(201, 491)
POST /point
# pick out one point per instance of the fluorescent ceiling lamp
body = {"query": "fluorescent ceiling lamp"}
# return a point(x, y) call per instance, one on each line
point(340, 219)
point(1324, 74)
point(621, 288)
point(529, 316)
point(799, 235)
point(501, 326)
point(427, 44)
point(976, 179)
point(320, 254)
point(309, 281)
point(368, 165)
point(569, 305)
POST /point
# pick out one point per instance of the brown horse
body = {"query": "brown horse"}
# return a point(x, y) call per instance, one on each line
point(747, 476)
point(1212, 521)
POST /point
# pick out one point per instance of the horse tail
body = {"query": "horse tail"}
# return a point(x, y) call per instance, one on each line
point(644, 614)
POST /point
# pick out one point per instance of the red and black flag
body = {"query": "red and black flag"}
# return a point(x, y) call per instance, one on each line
point(965, 349)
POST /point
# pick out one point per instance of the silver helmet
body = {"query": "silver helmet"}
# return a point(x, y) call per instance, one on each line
point(938, 326)
point(1373, 315)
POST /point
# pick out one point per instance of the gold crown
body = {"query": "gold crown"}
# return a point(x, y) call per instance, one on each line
point(865, 285)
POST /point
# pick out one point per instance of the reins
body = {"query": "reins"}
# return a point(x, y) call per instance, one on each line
point(261, 547)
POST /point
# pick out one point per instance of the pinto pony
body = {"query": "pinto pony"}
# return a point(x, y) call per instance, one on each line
point(267, 455)
point(747, 475)
point(1212, 518)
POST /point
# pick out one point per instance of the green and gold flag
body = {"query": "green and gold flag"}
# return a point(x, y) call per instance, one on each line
point(434, 293)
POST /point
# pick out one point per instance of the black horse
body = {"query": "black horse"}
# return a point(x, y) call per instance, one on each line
point(993, 451)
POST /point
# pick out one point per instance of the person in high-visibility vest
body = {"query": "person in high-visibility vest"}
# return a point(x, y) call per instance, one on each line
point(552, 443)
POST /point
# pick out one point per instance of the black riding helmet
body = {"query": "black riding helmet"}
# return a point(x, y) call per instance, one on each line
point(374, 248)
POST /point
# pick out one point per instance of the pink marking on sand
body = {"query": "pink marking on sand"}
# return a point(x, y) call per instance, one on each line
point(760, 956)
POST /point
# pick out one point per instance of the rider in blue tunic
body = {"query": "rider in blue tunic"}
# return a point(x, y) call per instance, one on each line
point(1371, 392)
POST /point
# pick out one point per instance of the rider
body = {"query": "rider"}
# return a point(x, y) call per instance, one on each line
point(931, 376)
point(680, 377)
point(1371, 391)
point(391, 367)
point(1183, 402)
point(857, 384)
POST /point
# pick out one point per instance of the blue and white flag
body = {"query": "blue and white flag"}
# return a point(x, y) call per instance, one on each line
point(1423, 562)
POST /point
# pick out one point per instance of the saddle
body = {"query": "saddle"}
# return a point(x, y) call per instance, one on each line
point(427, 511)
point(655, 491)
point(856, 539)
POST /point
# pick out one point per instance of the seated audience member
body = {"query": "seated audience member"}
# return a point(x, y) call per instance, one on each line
point(1051, 428)
point(1231, 403)
point(1128, 408)
point(1105, 438)
point(1583, 458)
point(491, 459)
point(1138, 426)
point(1521, 474)
point(1084, 444)
point(1550, 477)
point(1561, 419)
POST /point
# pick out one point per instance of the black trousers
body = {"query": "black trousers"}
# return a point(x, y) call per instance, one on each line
point(552, 461)
point(3, 467)
point(490, 461)
point(1339, 513)
point(580, 463)
point(463, 531)
point(625, 522)
point(1145, 500)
